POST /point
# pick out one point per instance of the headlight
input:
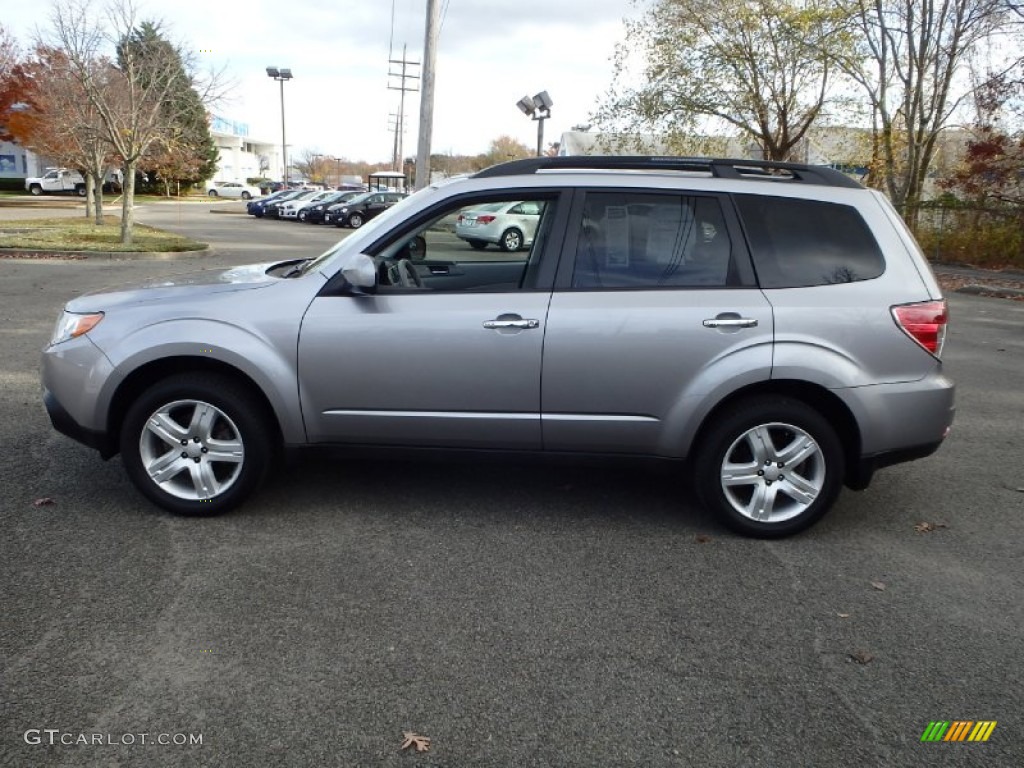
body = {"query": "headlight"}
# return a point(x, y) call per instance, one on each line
point(71, 325)
point(343, 210)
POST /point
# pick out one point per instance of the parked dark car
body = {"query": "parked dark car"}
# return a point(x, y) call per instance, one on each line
point(257, 208)
point(360, 209)
point(314, 214)
point(273, 209)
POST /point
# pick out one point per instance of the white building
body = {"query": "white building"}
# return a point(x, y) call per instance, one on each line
point(240, 153)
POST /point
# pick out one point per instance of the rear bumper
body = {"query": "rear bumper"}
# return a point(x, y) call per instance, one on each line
point(899, 423)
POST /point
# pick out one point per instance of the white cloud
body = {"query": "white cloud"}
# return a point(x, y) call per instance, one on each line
point(490, 54)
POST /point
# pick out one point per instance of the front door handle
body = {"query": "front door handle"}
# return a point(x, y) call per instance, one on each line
point(730, 322)
point(503, 322)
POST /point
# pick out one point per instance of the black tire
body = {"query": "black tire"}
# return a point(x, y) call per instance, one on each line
point(80, 190)
point(213, 193)
point(302, 216)
point(511, 240)
point(785, 423)
point(244, 422)
point(355, 220)
point(478, 244)
point(246, 196)
point(35, 190)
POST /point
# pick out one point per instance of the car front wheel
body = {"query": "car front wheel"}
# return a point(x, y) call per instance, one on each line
point(355, 220)
point(770, 467)
point(196, 444)
point(246, 196)
point(213, 193)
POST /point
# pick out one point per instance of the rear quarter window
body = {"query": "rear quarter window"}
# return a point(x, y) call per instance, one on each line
point(798, 243)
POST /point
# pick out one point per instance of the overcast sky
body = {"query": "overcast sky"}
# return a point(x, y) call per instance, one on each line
point(491, 53)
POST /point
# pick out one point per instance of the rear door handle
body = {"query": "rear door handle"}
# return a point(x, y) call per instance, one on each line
point(510, 322)
point(730, 322)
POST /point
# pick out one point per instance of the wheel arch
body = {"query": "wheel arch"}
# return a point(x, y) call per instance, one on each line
point(143, 377)
point(821, 399)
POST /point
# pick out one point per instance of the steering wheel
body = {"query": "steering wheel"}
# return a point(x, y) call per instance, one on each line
point(407, 275)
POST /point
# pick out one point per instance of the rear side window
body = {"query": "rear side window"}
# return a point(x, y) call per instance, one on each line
point(636, 241)
point(798, 243)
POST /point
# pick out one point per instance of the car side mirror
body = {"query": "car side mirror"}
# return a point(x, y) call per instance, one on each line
point(360, 272)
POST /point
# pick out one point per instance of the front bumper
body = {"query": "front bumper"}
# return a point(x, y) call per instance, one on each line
point(66, 425)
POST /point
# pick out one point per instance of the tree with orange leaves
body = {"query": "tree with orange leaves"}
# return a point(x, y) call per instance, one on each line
point(56, 119)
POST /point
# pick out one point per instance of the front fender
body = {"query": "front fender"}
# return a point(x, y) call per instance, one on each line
point(270, 365)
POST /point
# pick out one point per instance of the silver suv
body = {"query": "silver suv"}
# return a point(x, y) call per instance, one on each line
point(774, 327)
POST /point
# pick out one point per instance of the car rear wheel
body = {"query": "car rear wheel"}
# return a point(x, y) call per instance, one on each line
point(355, 220)
point(770, 467)
point(196, 444)
point(246, 196)
point(80, 190)
point(511, 240)
point(478, 244)
point(213, 193)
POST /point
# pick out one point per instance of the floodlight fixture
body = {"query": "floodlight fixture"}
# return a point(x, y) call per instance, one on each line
point(526, 105)
point(538, 108)
point(543, 101)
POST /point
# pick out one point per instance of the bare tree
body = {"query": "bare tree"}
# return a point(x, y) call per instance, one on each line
point(314, 165)
point(58, 120)
point(137, 117)
point(760, 67)
point(912, 57)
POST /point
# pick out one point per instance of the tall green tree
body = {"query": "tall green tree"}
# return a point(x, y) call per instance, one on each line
point(760, 68)
point(186, 154)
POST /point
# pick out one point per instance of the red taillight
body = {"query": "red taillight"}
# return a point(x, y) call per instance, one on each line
point(460, 219)
point(485, 219)
point(925, 323)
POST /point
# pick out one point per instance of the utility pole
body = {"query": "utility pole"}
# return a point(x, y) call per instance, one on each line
point(427, 97)
point(400, 125)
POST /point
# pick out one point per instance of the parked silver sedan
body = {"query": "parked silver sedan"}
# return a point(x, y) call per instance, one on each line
point(509, 225)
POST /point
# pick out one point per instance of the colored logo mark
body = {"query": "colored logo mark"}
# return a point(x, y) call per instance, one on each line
point(958, 730)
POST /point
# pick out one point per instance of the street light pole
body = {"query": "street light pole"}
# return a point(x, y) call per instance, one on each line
point(281, 75)
point(538, 108)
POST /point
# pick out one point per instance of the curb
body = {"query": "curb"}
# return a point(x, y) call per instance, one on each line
point(987, 290)
point(16, 254)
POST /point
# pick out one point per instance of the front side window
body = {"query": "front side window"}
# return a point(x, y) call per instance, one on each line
point(637, 241)
point(473, 245)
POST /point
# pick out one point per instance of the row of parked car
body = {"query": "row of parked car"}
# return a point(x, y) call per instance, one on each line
point(343, 208)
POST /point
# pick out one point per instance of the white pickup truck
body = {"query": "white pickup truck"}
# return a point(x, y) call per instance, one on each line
point(56, 180)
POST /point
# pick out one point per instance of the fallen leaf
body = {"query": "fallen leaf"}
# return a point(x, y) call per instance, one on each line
point(412, 739)
point(879, 585)
point(924, 527)
point(862, 657)
point(703, 539)
point(843, 615)
point(43, 502)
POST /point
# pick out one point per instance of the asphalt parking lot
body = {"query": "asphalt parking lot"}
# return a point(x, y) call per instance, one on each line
point(517, 615)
